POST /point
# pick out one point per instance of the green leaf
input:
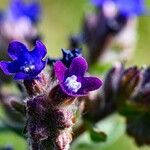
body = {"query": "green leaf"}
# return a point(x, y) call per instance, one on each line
point(113, 126)
point(98, 136)
point(95, 135)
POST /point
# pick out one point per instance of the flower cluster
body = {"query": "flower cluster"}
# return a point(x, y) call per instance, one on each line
point(128, 91)
point(51, 98)
point(121, 83)
point(51, 111)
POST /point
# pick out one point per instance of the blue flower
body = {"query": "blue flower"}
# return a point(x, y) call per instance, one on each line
point(68, 56)
point(125, 7)
point(32, 10)
point(72, 80)
point(26, 64)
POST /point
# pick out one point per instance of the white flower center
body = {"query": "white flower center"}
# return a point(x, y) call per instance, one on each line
point(72, 84)
point(27, 68)
point(110, 9)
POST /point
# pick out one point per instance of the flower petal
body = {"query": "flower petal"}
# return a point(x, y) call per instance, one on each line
point(22, 76)
point(9, 68)
point(39, 50)
point(78, 67)
point(131, 7)
point(16, 49)
point(89, 84)
point(31, 10)
point(60, 70)
point(40, 66)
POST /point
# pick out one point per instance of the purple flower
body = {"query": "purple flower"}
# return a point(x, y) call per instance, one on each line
point(26, 64)
point(32, 10)
point(125, 7)
point(72, 80)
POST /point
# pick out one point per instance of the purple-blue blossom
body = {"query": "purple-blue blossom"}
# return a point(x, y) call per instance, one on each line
point(73, 81)
point(125, 7)
point(25, 64)
point(31, 10)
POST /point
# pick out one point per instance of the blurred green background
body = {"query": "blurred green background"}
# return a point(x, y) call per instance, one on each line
point(60, 19)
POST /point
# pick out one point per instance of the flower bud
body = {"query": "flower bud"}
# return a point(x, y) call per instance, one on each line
point(142, 95)
point(127, 84)
point(75, 41)
point(138, 128)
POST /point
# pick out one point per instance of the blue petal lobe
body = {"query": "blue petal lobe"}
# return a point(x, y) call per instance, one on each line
point(60, 70)
point(16, 49)
point(78, 67)
point(39, 50)
point(9, 68)
point(20, 76)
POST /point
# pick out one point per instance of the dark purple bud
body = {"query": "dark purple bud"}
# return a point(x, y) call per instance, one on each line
point(98, 31)
point(128, 82)
point(68, 56)
point(146, 77)
point(138, 128)
point(116, 24)
point(111, 81)
point(142, 95)
point(75, 41)
point(104, 103)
